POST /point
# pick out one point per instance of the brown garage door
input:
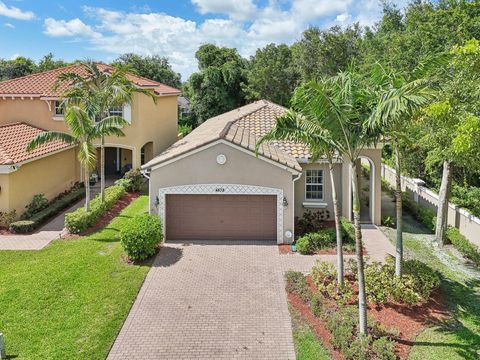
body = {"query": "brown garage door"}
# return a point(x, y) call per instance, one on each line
point(221, 217)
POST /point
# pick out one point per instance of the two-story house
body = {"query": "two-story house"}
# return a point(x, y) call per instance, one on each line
point(31, 104)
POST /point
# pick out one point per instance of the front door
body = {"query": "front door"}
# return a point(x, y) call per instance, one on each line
point(110, 161)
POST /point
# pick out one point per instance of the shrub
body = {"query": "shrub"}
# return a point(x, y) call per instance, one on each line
point(323, 273)
point(311, 242)
point(39, 202)
point(80, 220)
point(7, 217)
point(22, 226)
point(384, 349)
point(388, 221)
point(57, 205)
point(141, 236)
point(427, 217)
point(184, 129)
point(466, 248)
point(311, 221)
point(316, 305)
point(297, 284)
point(304, 246)
point(378, 282)
point(348, 231)
point(425, 279)
point(358, 349)
point(131, 181)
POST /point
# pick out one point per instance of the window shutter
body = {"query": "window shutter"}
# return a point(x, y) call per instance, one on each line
point(127, 113)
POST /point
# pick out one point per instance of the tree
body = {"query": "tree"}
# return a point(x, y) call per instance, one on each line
point(344, 105)
point(20, 66)
point(400, 97)
point(82, 132)
point(271, 75)
point(296, 126)
point(452, 125)
point(154, 67)
point(216, 88)
point(100, 91)
point(48, 63)
point(322, 53)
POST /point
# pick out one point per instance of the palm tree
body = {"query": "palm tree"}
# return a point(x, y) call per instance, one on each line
point(291, 127)
point(100, 91)
point(400, 97)
point(82, 132)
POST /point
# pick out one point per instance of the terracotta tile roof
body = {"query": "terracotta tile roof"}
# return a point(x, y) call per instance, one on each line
point(14, 139)
point(42, 84)
point(234, 126)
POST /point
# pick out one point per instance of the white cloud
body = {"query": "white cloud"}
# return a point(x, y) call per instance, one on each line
point(9, 25)
point(15, 13)
point(237, 9)
point(157, 33)
point(74, 27)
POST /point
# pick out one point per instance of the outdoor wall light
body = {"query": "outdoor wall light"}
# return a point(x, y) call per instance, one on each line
point(288, 234)
point(157, 201)
point(285, 202)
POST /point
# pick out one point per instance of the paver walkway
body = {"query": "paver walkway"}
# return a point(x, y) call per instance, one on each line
point(217, 300)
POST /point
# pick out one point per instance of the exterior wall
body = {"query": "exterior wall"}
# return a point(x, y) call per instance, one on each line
point(151, 122)
point(240, 168)
point(327, 188)
point(468, 224)
point(51, 175)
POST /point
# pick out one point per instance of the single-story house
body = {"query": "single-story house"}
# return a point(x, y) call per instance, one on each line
point(211, 185)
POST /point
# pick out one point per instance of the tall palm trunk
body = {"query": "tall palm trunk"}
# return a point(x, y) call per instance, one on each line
point(338, 228)
point(442, 212)
point(102, 169)
point(87, 189)
point(399, 215)
point(362, 303)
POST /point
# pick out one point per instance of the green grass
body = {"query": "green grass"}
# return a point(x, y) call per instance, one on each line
point(69, 300)
point(459, 336)
point(307, 345)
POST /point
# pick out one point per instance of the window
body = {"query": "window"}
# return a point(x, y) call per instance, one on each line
point(116, 111)
point(59, 108)
point(314, 185)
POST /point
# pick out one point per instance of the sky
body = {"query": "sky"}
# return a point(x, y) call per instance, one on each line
point(103, 29)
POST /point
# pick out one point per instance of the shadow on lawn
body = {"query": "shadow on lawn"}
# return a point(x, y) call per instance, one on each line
point(463, 300)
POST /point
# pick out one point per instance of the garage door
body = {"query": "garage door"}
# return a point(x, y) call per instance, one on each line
point(221, 217)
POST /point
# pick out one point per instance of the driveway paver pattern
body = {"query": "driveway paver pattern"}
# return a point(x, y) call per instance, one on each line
point(210, 300)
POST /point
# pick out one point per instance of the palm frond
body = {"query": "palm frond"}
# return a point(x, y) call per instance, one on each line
point(50, 136)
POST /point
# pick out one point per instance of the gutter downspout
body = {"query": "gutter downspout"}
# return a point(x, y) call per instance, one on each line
point(146, 174)
point(293, 202)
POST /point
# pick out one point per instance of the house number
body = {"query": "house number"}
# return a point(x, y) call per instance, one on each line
point(220, 190)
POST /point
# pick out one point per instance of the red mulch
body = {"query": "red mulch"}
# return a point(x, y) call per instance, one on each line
point(408, 320)
point(109, 215)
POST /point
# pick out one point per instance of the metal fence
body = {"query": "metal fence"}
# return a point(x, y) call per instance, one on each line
point(467, 224)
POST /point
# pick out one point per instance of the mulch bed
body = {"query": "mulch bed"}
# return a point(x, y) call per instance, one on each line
point(108, 216)
point(408, 320)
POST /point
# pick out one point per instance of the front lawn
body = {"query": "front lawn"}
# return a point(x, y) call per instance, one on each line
point(69, 300)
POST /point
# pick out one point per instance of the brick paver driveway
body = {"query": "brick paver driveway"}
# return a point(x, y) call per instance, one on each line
point(210, 300)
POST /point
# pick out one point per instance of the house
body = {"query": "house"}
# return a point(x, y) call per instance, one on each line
point(212, 185)
point(31, 104)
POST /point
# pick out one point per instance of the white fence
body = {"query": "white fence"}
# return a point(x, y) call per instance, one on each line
point(468, 224)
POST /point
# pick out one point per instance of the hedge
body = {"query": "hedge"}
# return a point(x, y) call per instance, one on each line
point(466, 248)
point(55, 207)
point(80, 220)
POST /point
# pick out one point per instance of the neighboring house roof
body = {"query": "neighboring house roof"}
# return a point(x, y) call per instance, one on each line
point(14, 139)
point(42, 84)
point(242, 127)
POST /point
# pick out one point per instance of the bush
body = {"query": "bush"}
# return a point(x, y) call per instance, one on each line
point(80, 220)
point(56, 206)
point(297, 284)
point(6, 218)
point(384, 349)
point(416, 284)
point(311, 221)
point(388, 221)
point(131, 181)
point(311, 242)
point(348, 231)
point(323, 273)
point(22, 226)
point(427, 217)
point(316, 305)
point(141, 236)
point(466, 248)
point(39, 202)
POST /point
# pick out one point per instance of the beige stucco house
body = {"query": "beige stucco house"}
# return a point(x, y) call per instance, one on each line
point(212, 185)
point(30, 105)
